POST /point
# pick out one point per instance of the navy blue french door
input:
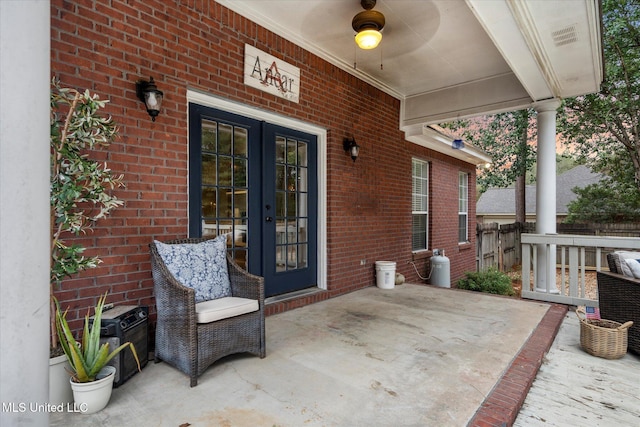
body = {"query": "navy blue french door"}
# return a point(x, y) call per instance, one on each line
point(289, 191)
point(257, 183)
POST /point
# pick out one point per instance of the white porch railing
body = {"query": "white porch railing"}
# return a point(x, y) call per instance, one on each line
point(574, 246)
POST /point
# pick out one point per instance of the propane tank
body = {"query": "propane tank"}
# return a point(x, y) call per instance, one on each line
point(440, 269)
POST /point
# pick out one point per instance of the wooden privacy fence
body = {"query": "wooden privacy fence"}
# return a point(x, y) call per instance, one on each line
point(487, 246)
point(499, 245)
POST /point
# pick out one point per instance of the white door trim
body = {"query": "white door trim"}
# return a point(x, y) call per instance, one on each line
point(208, 100)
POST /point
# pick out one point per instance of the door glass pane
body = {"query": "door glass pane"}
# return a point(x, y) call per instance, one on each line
point(302, 205)
point(302, 230)
point(209, 169)
point(302, 179)
point(240, 137)
point(280, 203)
point(209, 135)
point(239, 172)
point(240, 204)
point(225, 226)
point(225, 205)
point(292, 256)
point(292, 174)
point(292, 151)
point(281, 178)
point(291, 204)
point(291, 231)
point(280, 261)
point(224, 138)
point(225, 192)
point(302, 256)
point(209, 202)
point(209, 228)
point(224, 170)
point(302, 153)
point(280, 149)
point(240, 257)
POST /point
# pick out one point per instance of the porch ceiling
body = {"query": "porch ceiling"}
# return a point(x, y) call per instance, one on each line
point(448, 59)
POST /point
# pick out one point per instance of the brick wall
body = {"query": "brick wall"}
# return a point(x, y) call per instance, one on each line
point(107, 47)
point(443, 222)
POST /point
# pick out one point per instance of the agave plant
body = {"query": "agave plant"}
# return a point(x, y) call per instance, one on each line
point(87, 357)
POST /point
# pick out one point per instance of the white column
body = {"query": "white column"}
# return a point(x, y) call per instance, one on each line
point(24, 211)
point(546, 194)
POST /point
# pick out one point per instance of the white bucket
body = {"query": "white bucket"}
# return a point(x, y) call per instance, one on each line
point(386, 274)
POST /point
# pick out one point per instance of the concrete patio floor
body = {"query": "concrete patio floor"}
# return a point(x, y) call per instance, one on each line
point(411, 356)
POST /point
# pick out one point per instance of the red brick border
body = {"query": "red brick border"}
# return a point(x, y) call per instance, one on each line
point(501, 406)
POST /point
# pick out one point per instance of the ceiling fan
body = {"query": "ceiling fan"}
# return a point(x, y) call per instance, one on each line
point(368, 25)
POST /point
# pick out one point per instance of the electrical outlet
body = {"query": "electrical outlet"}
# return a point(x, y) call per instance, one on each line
point(363, 262)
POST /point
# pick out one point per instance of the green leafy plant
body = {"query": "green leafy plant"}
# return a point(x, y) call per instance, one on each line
point(81, 187)
point(87, 357)
point(606, 201)
point(603, 128)
point(491, 281)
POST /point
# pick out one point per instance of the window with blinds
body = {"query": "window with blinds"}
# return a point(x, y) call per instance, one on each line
point(463, 207)
point(420, 205)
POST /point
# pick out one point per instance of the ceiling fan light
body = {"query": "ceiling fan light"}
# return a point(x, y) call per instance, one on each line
point(368, 39)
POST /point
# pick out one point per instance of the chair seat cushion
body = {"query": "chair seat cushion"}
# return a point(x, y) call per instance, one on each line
point(200, 266)
point(222, 308)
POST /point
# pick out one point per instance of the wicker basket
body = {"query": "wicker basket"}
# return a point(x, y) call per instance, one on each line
point(603, 338)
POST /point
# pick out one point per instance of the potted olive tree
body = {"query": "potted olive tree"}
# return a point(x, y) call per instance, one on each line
point(80, 194)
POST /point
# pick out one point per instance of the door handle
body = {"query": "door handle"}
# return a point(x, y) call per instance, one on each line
point(268, 219)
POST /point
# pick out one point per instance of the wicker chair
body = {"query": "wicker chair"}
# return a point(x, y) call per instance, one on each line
point(619, 299)
point(192, 347)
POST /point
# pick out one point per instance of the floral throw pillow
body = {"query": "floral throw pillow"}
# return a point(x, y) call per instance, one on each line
point(201, 266)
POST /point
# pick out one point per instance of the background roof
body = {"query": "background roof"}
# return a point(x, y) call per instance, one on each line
point(503, 201)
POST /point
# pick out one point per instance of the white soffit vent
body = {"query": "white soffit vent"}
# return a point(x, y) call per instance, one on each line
point(565, 36)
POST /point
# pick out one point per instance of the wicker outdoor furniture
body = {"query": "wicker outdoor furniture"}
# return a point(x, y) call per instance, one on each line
point(619, 299)
point(603, 338)
point(190, 346)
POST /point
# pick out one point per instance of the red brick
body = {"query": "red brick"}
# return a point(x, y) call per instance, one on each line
point(99, 46)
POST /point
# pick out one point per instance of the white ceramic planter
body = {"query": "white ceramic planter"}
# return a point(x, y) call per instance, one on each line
point(94, 396)
point(59, 388)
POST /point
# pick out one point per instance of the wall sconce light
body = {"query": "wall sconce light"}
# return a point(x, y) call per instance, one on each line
point(351, 147)
point(368, 25)
point(148, 92)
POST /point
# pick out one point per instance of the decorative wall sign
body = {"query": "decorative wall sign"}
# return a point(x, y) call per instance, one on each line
point(270, 74)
